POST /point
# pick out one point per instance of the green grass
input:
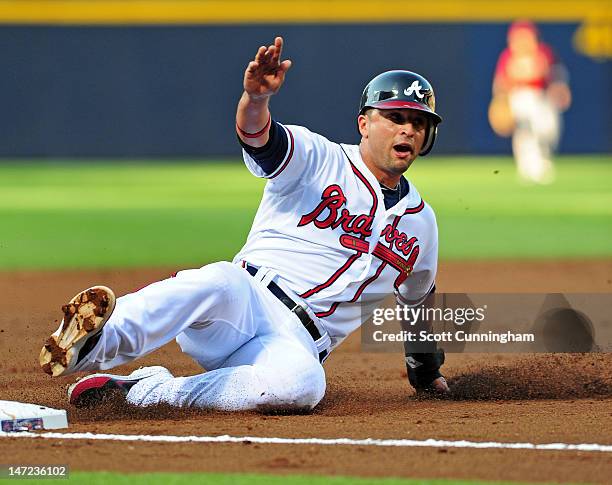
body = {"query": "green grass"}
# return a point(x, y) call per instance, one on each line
point(94, 214)
point(123, 214)
point(103, 478)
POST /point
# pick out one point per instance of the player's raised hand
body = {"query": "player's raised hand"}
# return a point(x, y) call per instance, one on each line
point(266, 73)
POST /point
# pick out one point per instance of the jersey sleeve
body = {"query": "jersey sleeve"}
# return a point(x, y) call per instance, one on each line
point(305, 157)
point(417, 287)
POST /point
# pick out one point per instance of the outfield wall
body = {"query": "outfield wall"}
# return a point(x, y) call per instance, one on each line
point(171, 91)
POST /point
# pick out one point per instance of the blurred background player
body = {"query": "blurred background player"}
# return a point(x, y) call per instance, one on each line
point(530, 90)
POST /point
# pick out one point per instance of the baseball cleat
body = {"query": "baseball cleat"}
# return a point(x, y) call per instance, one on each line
point(84, 317)
point(93, 389)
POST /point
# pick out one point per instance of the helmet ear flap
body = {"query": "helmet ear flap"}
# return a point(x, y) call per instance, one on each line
point(430, 138)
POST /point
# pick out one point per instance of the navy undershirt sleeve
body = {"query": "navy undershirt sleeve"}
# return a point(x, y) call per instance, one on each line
point(270, 156)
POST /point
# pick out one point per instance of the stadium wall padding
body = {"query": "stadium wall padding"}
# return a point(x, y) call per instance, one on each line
point(171, 91)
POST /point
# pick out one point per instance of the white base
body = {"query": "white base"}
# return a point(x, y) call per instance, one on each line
point(19, 416)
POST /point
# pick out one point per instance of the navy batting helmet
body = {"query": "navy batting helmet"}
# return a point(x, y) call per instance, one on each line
point(403, 89)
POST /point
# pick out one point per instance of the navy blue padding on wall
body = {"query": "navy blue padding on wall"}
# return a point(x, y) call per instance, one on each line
point(172, 91)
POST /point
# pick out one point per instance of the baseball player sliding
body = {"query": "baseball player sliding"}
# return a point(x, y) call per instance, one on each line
point(338, 229)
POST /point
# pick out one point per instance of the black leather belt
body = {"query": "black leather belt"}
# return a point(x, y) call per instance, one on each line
point(295, 308)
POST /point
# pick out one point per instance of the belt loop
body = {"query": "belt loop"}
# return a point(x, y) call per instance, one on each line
point(266, 276)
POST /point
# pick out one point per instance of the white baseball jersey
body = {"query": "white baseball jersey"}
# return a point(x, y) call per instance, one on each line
point(323, 228)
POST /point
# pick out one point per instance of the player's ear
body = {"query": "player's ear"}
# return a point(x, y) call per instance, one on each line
point(362, 124)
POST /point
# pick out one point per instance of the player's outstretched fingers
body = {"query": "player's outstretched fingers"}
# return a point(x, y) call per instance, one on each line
point(266, 61)
point(271, 55)
point(278, 42)
point(285, 66)
point(265, 74)
point(252, 67)
point(259, 56)
point(275, 55)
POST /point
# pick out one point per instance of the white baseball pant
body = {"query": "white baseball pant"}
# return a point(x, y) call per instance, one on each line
point(537, 134)
point(257, 353)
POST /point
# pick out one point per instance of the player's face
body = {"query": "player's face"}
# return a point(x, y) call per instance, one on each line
point(392, 138)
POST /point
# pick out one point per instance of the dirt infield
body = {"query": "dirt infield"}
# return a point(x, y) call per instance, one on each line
point(503, 398)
